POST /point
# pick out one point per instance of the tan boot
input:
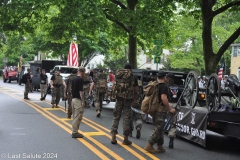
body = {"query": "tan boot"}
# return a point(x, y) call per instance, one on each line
point(160, 149)
point(53, 105)
point(150, 149)
point(114, 140)
point(98, 113)
point(126, 141)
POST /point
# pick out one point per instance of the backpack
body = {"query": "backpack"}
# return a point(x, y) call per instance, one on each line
point(151, 102)
point(86, 78)
point(24, 79)
point(101, 84)
point(123, 85)
point(69, 83)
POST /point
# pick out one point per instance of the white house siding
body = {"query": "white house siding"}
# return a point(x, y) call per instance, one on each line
point(143, 64)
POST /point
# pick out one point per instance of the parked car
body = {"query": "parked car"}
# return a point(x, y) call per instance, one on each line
point(10, 74)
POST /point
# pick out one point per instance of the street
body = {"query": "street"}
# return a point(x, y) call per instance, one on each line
point(33, 130)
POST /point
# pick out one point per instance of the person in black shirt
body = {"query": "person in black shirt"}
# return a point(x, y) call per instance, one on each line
point(43, 83)
point(158, 118)
point(173, 95)
point(28, 84)
point(77, 102)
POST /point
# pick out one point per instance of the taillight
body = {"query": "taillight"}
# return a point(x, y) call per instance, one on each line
point(203, 96)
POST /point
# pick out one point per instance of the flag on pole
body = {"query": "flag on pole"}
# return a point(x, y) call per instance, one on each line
point(73, 55)
point(221, 69)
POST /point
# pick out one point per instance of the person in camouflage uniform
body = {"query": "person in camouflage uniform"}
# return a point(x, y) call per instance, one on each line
point(56, 82)
point(173, 95)
point(158, 135)
point(86, 87)
point(69, 92)
point(99, 93)
point(137, 117)
point(123, 103)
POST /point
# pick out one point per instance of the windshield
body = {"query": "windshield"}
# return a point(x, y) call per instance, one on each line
point(64, 70)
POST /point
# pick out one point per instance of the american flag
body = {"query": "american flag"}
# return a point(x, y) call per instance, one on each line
point(73, 55)
point(221, 69)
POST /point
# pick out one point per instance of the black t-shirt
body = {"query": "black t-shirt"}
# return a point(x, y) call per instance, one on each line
point(43, 78)
point(163, 89)
point(29, 77)
point(173, 93)
point(53, 77)
point(77, 85)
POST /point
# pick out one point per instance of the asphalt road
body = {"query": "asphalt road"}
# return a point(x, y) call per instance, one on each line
point(33, 130)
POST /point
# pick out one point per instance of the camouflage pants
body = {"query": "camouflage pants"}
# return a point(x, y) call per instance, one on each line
point(69, 98)
point(98, 100)
point(157, 136)
point(56, 93)
point(86, 89)
point(137, 117)
point(27, 89)
point(172, 131)
point(122, 106)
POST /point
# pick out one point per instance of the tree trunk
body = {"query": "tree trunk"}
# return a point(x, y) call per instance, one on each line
point(209, 57)
point(132, 51)
point(132, 41)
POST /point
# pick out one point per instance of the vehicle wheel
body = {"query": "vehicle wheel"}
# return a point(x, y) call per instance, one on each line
point(191, 89)
point(4, 80)
point(213, 93)
point(9, 79)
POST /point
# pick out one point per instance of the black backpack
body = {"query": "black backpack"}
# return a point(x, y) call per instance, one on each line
point(24, 79)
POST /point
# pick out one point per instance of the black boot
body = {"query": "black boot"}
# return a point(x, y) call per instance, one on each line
point(171, 142)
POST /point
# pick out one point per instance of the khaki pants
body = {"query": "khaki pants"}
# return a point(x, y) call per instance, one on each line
point(43, 88)
point(78, 110)
point(27, 89)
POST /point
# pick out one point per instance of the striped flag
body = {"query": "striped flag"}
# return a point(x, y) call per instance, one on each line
point(73, 55)
point(221, 69)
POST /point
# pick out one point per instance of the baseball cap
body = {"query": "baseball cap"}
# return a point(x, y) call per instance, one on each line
point(127, 66)
point(81, 69)
point(161, 74)
point(170, 75)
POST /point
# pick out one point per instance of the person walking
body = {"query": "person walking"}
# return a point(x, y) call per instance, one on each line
point(111, 76)
point(69, 92)
point(99, 87)
point(137, 117)
point(43, 83)
point(56, 82)
point(125, 89)
point(86, 87)
point(28, 84)
point(77, 102)
point(157, 135)
point(173, 95)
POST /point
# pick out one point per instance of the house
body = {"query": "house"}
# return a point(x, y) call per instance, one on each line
point(145, 62)
point(235, 60)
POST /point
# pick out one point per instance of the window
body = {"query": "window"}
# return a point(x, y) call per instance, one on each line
point(236, 51)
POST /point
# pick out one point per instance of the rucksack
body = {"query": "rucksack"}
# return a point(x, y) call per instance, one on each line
point(101, 84)
point(123, 85)
point(86, 78)
point(151, 102)
point(69, 83)
point(24, 78)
